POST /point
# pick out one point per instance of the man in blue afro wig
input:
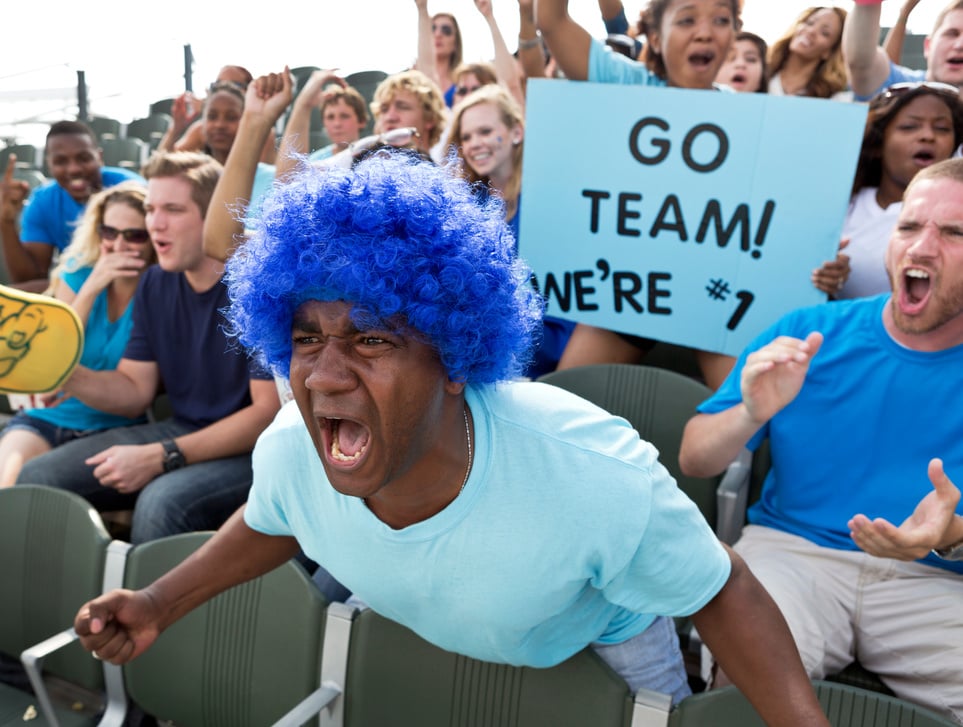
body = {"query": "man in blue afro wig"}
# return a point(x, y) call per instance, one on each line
point(508, 521)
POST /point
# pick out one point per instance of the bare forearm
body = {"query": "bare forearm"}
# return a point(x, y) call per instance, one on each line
point(893, 45)
point(954, 533)
point(21, 265)
point(866, 62)
point(505, 66)
point(749, 638)
point(296, 137)
point(610, 8)
point(233, 435)
point(109, 391)
point(426, 48)
point(568, 41)
point(711, 442)
point(234, 555)
point(221, 226)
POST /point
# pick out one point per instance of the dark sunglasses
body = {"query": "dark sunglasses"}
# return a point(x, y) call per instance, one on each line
point(135, 235)
point(445, 29)
point(900, 89)
point(465, 90)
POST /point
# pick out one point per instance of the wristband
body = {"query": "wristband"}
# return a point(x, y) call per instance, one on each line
point(952, 552)
point(529, 43)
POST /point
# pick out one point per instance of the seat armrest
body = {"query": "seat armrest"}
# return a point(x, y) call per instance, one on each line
point(651, 709)
point(32, 660)
point(731, 497)
point(309, 707)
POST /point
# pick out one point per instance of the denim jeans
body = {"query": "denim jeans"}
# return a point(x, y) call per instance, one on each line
point(200, 496)
point(652, 660)
point(54, 435)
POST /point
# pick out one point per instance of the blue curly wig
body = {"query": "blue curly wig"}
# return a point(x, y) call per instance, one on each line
point(402, 240)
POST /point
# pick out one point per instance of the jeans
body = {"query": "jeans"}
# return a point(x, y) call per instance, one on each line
point(652, 660)
point(200, 496)
point(54, 435)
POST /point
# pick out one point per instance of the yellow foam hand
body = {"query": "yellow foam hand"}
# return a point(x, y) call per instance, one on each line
point(41, 340)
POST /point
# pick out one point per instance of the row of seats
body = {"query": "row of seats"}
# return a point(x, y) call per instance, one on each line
point(271, 651)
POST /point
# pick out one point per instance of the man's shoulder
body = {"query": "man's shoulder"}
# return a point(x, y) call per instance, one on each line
point(831, 316)
point(112, 176)
point(539, 417)
point(45, 194)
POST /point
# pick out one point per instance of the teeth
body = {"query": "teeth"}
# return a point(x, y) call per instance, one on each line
point(921, 274)
point(336, 452)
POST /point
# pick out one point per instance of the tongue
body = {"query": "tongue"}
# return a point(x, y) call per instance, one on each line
point(352, 437)
point(917, 288)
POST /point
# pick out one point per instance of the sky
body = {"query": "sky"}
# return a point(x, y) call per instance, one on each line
point(128, 63)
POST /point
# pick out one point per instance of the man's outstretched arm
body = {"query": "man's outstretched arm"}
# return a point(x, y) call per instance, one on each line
point(750, 640)
point(122, 624)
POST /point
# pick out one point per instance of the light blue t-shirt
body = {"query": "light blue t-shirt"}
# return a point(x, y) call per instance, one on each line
point(104, 344)
point(897, 74)
point(263, 181)
point(604, 66)
point(568, 532)
point(51, 214)
point(861, 432)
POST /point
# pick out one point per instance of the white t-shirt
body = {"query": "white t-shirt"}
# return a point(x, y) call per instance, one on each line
point(868, 227)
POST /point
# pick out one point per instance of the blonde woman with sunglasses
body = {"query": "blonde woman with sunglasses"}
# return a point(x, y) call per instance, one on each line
point(97, 275)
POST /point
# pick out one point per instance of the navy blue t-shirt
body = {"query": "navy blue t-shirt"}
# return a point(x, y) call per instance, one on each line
point(205, 373)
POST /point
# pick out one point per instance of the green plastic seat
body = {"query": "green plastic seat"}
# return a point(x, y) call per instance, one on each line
point(149, 128)
point(381, 673)
point(243, 659)
point(53, 547)
point(845, 706)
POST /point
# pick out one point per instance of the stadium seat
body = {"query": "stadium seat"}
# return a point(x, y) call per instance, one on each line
point(55, 551)
point(26, 154)
point(377, 672)
point(128, 153)
point(149, 129)
point(242, 659)
point(104, 125)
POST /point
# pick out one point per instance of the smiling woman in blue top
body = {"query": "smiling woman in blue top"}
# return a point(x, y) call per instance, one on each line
point(98, 276)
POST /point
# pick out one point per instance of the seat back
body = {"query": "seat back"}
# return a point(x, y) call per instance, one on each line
point(128, 153)
point(104, 125)
point(395, 677)
point(52, 550)
point(242, 659)
point(26, 154)
point(845, 706)
point(150, 127)
point(657, 402)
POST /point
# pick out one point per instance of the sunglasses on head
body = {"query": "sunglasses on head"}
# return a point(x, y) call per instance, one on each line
point(445, 29)
point(899, 89)
point(136, 235)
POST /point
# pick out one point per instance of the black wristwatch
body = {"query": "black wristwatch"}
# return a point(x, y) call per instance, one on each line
point(173, 456)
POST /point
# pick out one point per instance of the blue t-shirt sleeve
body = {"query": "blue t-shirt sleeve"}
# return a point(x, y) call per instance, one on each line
point(112, 176)
point(39, 209)
point(604, 66)
point(76, 278)
point(897, 74)
point(679, 564)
